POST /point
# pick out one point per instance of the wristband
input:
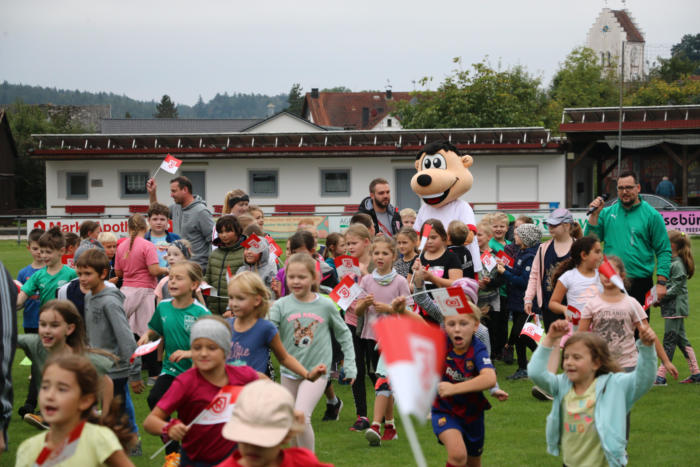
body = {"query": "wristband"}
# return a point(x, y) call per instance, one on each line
point(164, 432)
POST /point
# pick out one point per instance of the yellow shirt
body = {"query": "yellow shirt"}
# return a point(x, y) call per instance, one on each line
point(580, 443)
point(95, 445)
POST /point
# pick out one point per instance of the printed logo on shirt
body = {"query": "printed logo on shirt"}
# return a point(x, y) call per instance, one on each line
point(486, 361)
point(189, 322)
point(470, 365)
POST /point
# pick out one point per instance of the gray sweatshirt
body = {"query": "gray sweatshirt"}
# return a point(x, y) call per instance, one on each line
point(266, 269)
point(196, 224)
point(108, 329)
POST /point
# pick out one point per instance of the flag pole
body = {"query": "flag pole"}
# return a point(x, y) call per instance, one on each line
point(196, 419)
point(412, 439)
point(155, 173)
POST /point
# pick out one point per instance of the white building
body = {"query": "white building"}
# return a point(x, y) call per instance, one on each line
point(293, 171)
point(611, 30)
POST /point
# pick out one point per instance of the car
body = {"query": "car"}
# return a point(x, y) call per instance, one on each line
point(658, 202)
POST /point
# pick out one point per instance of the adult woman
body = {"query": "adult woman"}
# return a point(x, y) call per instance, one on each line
point(236, 203)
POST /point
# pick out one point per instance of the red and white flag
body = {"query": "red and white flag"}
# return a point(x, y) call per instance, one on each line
point(229, 274)
point(345, 292)
point(170, 164)
point(506, 258)
point(650, 298)
point(424, 236)
point(254, 244)
point(68, 260)
point(488, 261)
point(532, 330)
point(451, 300)
point(573, 314)
point(64, 451)
point(414, 353)
point(144, 349)
point(274, 247)
point(220, 408)
point(346, 264)
point(608, 271)
point(207, 290)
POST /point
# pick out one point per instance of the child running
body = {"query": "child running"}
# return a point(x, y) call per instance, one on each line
point(674, 307)
point(76, 437)
point(193, 390)
point(62, 331)
point(252, 335)
point(458, 411)
point(592, 397)
point(228, 255)
point(407, 244)
point(443, 266)
point(263, 422)
point(172, 321)
point(304, 319)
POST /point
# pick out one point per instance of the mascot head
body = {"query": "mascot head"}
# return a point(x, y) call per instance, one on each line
point(443, 175)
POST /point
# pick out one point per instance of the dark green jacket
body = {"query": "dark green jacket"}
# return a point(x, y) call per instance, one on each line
point(636, 236)
point(675, 303)
point(215, 276)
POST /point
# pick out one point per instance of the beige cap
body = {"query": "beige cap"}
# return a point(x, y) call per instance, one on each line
point(263, 415)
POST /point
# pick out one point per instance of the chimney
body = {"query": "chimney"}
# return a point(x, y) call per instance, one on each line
point(365, 117)
point(314, 93)
point(270, 109)
point(388, 94)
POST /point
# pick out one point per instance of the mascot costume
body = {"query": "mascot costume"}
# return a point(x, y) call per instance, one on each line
point(443, 176)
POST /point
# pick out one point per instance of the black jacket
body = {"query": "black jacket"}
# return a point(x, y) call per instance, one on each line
point(367, 207)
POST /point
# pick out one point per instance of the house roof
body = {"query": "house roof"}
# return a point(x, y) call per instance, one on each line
point(345, 109)
point(176, 125)
point(7, 132)
point(679, 118)
point(283, 114)
point(633, 34)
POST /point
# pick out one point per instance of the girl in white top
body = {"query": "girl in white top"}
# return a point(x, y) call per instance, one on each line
point(577, 279)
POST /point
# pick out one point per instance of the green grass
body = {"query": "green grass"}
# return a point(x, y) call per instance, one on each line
point(665, 422)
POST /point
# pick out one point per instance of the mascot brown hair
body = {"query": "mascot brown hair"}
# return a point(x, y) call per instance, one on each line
point(442, 177)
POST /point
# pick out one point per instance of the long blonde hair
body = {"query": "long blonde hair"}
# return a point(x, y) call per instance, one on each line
point(136, 224)
point(250, 283)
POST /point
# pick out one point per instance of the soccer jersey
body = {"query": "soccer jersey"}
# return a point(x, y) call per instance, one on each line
point(46, 284)
point(174, 325)
point(463, 366)
point(31, 306)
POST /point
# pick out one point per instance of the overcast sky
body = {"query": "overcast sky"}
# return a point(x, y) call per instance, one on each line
point(147, 48)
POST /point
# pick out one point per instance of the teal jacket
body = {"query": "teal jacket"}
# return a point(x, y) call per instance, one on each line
point(675, 303)
point(615, 395)
point(636, 235)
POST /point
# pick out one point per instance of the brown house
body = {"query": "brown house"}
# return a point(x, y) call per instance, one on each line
point(8, 161)
point(353, 110)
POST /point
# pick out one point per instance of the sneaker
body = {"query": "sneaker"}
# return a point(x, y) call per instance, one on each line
point(333, 411)
point(151, 381)
point(36, 421)
point(521, 373)
point(692, 379)
point(24, 410)
point(508, 355)
point(136, 451)
point(389, 433)
point(372, 435)
point(361, 424)
point(172, 460)
point(660, 381)
point(540, 394)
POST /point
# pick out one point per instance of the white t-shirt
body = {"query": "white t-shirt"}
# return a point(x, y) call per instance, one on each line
point(454, 210)
point(579, 288)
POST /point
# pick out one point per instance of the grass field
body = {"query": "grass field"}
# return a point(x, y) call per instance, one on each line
point(665, 422)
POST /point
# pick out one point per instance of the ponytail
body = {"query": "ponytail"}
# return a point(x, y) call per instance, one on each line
point(685, 252)
point(136, 225)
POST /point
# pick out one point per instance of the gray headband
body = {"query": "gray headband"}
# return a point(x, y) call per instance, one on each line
point(213, 330)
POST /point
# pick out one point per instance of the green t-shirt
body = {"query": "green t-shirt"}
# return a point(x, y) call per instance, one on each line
point(497, 246)
point(174, 325)
point(46, 285)
point(37, 353)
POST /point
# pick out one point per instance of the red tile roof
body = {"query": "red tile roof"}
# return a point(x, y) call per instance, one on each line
point(633, 34)
point(344, 109)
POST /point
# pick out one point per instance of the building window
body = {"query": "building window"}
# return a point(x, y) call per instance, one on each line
point(133, 184)
point(76, 185)
point(335, 182)
point(262, 183)
point(388, 122)
point(198, 180)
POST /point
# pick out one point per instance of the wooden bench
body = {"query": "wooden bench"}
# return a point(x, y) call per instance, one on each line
point(140, 208)
point(291, 209)
point(351, 208)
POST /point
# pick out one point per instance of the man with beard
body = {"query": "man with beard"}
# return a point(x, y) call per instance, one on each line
point(385, 216)
point(634, 231)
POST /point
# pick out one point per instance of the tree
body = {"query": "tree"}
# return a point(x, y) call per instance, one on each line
point(480, 97)
point(659, 92)
point(25, 120)
point(685, 60)
point(295, 100)
point(336, 89)
point(580, 82)
point(166, 108)
point(127, 115)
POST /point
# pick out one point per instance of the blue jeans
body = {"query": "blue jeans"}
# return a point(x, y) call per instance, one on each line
point(121, 388)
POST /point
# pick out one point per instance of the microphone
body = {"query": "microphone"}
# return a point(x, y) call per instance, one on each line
point(605, 197)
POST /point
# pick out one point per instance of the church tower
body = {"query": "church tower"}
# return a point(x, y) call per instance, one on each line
point(606, 37)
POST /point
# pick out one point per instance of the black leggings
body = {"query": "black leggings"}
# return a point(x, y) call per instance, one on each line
point(366, 358)
point(157, 391)
point(520, 342)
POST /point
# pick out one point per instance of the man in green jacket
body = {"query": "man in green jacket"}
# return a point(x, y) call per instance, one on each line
point(633, 230)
